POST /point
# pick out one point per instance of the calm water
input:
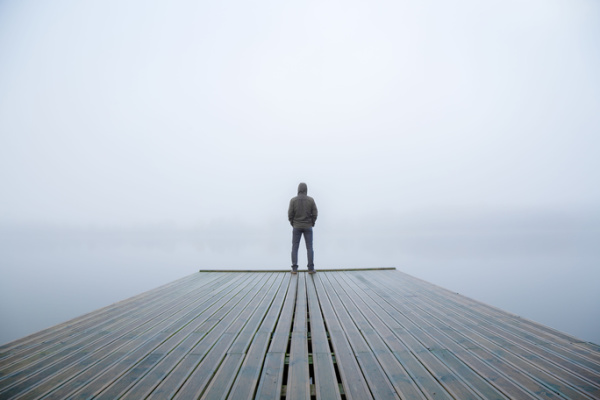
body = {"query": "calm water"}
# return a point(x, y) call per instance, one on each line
point(50, 275)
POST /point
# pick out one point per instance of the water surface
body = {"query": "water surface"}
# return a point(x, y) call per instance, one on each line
point(547, 273)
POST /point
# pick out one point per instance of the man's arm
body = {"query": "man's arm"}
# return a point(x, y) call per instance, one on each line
point(314, 212)
point(291, 212)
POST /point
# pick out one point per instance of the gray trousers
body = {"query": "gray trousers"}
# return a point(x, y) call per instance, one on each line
point(308, 239)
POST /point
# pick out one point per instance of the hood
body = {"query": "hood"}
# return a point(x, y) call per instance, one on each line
point(302, 188)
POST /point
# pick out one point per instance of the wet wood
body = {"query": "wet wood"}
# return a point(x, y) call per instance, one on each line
point(326, 383)
point(338, 334)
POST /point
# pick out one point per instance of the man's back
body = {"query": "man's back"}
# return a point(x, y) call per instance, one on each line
point(302, 212)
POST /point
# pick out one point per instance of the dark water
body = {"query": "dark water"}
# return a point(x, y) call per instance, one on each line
point(546, 272)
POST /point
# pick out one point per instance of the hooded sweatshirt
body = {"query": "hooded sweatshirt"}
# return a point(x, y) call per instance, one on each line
point(302, 212)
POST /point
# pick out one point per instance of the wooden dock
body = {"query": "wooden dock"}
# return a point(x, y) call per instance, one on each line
point(353, 334)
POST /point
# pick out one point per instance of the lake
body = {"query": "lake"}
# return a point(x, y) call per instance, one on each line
point(547, 273)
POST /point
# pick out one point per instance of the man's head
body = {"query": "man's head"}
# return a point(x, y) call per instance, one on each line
point(302, 188)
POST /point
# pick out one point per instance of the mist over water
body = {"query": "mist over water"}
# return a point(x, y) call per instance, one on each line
point(540, 266)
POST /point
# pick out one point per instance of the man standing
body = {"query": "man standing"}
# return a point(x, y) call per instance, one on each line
point(302, 215)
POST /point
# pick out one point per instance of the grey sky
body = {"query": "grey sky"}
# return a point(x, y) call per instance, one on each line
point(124, 112)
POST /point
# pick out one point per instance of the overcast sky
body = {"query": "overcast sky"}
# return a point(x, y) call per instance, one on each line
point(187, 112)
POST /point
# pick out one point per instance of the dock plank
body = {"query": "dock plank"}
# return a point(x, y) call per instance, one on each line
point(461, 382)
point(353, 381)
point(246, 381)
point(239, 379)
point(298, 384)
point(178, 376)
point(535, 381)
point(180, 343)
point(511, 348)
point(50, 347)
point(406, 319)
point(19, 349)
point(326, 384)
point(366, 344)
point(80, 359)
point(98, 378)
point(234, 341)
point(271, 380)
point(409, 376)
point(338, 334)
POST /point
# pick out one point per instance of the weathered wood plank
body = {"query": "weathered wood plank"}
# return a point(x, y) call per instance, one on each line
point(354, 383)
point(178, 376)
point(109, 393)
point(512, 346)
point(408, 383)
point(357, 328)
point(183, 341)
point(239, 380)
point(416, 342)
point(516, 369)
point(137, 348)
point(271, 378)
point(298, 385)
point(549, 354)
point(541, 335)
point(234, 340)
point(408, 321)
point(406, 307)
point(220, 386)
point(326, 384)
point(18, 349)
point(247, 379)
point(49, 347)
point(375, 334)
point(549, 344)
point(76, 357)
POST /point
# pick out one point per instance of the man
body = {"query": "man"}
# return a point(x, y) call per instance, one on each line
point(302, 215)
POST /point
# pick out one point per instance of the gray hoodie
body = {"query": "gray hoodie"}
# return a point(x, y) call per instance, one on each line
point(302, 212)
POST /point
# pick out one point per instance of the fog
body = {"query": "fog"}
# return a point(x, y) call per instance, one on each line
point(540, 266)
point(143, 141)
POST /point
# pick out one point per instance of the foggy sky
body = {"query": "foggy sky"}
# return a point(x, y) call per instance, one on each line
point(125, 112)
point(454, 140)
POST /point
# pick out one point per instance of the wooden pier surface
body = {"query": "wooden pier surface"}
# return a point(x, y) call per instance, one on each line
point(353, 334)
